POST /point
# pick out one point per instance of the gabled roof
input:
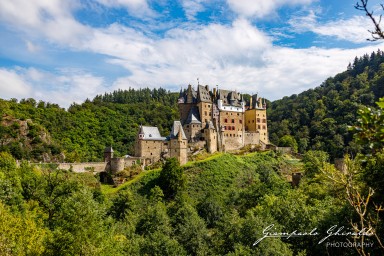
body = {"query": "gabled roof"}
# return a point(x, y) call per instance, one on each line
point(203, 94)
point(176, 129)
point(231, 98)
point(193, 116)
point(150, 133)
point(209, 125)
point(257, 102)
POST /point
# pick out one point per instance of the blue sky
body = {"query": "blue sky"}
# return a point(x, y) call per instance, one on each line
point(65, 51)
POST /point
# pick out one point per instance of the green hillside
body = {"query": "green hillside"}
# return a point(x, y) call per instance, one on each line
point(83, 131)
point(225, 203)
point(318, 118)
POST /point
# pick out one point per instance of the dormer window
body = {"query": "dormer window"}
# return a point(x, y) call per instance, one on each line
point(150, 135)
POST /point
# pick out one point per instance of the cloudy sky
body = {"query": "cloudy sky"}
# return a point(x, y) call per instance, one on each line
point(65, 51)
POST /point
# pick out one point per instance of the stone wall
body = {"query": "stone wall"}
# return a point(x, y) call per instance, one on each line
point(117, 165)
point(251, 138)
point(84, 167)
point(150, 149)
point(192, 132)
point(233, 141)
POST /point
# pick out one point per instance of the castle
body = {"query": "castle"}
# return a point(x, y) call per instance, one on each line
point(219, 120)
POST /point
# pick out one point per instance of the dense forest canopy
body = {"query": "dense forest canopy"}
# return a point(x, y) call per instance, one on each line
point(319, 118)
point(83, 131)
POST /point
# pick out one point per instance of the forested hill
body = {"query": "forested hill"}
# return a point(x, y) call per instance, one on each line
point(315, 119)
point(83, 131)
point(319, 118)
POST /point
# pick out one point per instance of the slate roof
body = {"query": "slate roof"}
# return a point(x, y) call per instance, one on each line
point(184, 96)
point(209, 125)
point(203, 94)
point(176, 128)
point(230, 98)
point(256, 102)
point(193, 116)
point(150, 133)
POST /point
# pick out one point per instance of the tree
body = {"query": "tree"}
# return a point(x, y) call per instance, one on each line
point(288, 141)
point(377, 33)
point(171, 178)
point(370, 128)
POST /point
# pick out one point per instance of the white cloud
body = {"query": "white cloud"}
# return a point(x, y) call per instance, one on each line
point(12, 85)
point(235, 56)
point(51, 19)
point(62, 87)
point(258, 9)
point(192, 7)
point(354, 29)
point(32, 47)
point(135, 7)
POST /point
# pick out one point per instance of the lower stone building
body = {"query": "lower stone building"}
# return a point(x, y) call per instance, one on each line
point(151, 146)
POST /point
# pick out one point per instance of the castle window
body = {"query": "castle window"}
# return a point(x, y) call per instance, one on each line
point(187, 125)
point(209, 113)
point(264, 120)
point(253, 121)
point(264, 127)
point(238, 114)
point(233, 121)
point(240, 135)
point(258, 120)
point(249, 121)
point(193, 126)
point(258, 127)
point(225, 120)
point(233, 128)
point(241, 121)
point(175, 150)
point(230, 135)
point(205, 113)
point(151, 153)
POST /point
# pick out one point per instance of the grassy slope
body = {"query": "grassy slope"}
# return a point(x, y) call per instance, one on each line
point(221, 173)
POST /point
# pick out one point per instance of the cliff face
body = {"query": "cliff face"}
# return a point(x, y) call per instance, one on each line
point(27, 140)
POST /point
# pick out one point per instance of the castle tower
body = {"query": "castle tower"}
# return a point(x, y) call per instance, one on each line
point(211, 137)
point(178, 143)
point(256, 118)
point(149, 143)
point(108, 154)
